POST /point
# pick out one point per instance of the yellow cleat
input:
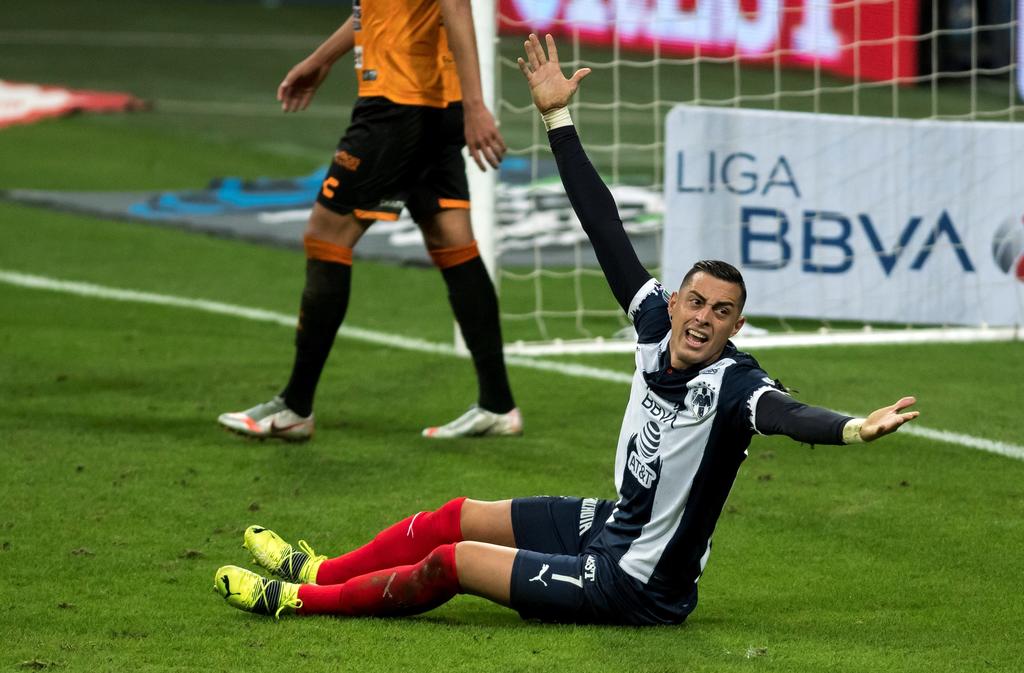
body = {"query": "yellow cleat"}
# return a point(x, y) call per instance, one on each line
point(245, 590)
point(280, 558)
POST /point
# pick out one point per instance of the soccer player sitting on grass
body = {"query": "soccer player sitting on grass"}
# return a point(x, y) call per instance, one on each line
point(694, 406)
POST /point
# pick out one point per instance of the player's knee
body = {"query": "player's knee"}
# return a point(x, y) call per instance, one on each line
point(487, 521)
point(337, 228)
point(446, 229)
point(453, 507)
point(432, 236)
point(446, 258)
point(438, 566)
point(446, 521)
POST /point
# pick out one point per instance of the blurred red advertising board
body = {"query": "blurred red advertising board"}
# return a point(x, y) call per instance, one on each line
point(25, 103)
point(864, 39)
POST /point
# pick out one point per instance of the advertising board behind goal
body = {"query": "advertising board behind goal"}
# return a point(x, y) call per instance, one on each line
point(865, 40)
point(835, 217)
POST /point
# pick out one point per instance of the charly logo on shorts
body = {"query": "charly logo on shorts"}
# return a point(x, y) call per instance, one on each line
point(644, 445)
point(700, 399)
point(348, 161)
point(1008, 246)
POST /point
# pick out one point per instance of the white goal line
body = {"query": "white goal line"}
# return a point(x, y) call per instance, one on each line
point(750, 340)
point(418, 345)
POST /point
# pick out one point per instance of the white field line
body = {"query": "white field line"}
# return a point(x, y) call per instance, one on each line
point(420, 345)
point(260, 315)
point(150, 39)
point(253, 108)
point(979, 443)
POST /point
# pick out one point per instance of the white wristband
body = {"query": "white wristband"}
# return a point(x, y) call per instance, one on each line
point(556, 118)
point(851, 431)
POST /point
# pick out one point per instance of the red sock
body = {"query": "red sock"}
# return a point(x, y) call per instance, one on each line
point(392, 592)
point(407, 541)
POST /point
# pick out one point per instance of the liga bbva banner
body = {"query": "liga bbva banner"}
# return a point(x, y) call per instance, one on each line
point(855, 218)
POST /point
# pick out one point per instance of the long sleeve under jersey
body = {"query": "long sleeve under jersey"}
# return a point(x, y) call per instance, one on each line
point(780, 414)
point(599, 216)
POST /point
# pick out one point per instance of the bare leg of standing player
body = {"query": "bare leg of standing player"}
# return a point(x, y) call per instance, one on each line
point(449, 240)
point(329, 240)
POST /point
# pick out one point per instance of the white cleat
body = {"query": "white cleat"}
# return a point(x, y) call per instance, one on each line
point(479, 422)
point(269, 420)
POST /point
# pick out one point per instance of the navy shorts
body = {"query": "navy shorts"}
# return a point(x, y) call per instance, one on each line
point(395, 156)
point(558, 576)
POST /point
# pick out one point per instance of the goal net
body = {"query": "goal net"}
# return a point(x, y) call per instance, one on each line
point(943, 60)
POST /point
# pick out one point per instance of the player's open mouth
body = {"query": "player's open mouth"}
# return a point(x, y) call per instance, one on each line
point(695, 339)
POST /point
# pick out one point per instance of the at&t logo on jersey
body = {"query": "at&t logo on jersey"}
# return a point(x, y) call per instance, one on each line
point(643, 451)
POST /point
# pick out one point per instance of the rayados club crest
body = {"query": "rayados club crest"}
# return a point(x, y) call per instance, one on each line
point(701, 399)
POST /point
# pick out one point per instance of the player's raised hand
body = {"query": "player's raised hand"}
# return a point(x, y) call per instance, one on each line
point(548, 86)
point(483, 139)
point(888, 419)
point(300, 84)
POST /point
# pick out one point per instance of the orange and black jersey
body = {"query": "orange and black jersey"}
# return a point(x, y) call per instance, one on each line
point(402, 54)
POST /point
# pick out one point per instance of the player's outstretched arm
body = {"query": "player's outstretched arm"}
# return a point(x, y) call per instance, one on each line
point(779, 414)
point(299, 86)
point(587, 193)
point(483, 139)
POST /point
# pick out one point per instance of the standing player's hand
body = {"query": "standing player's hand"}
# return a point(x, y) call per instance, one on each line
point(482, 136)
point(548, 86)
point(888, 419)
point(300, 84)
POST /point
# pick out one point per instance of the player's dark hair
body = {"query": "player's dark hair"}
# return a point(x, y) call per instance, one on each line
point(722, 271)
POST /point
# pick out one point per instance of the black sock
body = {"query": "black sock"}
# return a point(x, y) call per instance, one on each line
point(475, 305)
point(324, 301)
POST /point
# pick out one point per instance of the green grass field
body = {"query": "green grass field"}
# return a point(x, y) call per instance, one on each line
point(119, 495)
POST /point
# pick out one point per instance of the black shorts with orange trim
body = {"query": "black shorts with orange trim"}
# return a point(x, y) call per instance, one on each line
point(395, 156)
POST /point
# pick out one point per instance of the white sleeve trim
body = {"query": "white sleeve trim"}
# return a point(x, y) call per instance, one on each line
point(556, 118)
point(652, 286)
point(851, 431)
point(754, 398)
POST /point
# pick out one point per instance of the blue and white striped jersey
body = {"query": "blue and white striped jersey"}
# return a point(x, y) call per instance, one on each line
point(683, 438)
